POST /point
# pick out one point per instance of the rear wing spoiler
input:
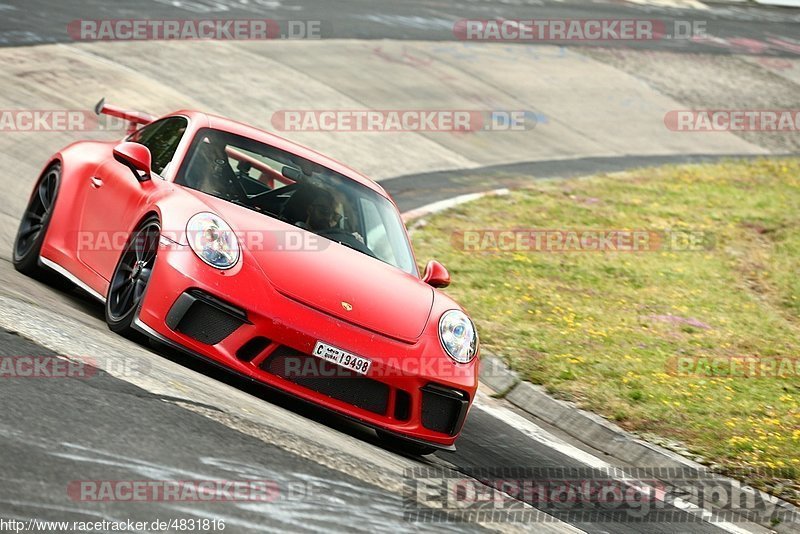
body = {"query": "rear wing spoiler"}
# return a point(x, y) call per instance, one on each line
point(134, 118)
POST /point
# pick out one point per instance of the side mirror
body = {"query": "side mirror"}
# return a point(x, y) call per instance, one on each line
point(436, 275)
point(136, 157)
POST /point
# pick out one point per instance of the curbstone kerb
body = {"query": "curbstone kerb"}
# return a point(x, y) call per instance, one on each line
point(594, 430)
point(496, 374)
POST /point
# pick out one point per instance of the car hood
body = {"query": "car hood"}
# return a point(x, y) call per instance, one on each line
point(330, 277)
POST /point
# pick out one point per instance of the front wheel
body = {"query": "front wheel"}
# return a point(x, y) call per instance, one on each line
point(131, 277)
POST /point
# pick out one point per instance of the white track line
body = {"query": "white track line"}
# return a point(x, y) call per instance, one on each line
point(537, 433)
point(679, 4)
point(435, 207)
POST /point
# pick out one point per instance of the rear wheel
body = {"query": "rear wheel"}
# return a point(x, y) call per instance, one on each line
point(131, 277)
point(33, 228)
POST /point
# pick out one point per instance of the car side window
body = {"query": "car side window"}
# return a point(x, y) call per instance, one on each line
point(162, 139)
point(377, 239)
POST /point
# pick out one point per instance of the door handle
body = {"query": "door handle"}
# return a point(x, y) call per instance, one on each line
point(97, 182)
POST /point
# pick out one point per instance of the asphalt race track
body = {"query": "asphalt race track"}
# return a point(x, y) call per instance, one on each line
point(46, 22)
point(151, 413)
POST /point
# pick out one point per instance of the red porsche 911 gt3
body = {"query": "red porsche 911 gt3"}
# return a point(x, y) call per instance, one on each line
point(262, 256)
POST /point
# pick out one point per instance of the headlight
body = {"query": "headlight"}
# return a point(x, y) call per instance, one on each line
point(213, 240)
point(458, 336)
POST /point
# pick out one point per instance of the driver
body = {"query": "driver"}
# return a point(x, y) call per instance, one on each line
point(321, 211)
point(324, 213)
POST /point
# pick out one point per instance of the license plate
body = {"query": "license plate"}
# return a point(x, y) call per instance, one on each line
point(342, 358)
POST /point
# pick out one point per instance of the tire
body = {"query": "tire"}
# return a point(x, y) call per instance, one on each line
point(131, 278)
point(33, 229)
point(405, 446)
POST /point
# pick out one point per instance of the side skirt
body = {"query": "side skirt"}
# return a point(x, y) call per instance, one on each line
point(71, 277)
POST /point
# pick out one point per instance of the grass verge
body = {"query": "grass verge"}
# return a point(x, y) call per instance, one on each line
point(693, 347)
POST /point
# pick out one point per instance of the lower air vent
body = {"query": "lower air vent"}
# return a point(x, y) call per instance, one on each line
point(443, 409)
point(329, 379)
point(204, 317)
point(252, 348)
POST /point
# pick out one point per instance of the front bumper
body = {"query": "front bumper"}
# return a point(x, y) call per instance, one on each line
point(236, 319)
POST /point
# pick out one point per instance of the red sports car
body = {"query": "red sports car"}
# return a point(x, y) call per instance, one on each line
point(263, 256)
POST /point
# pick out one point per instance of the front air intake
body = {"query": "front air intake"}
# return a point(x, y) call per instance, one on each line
point(204, 317)
point(443, 409)
point(329, 379)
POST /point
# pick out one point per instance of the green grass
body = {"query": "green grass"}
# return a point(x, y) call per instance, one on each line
point(603, 328)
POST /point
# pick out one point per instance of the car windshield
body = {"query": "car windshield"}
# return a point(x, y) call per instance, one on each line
point(284, 186)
